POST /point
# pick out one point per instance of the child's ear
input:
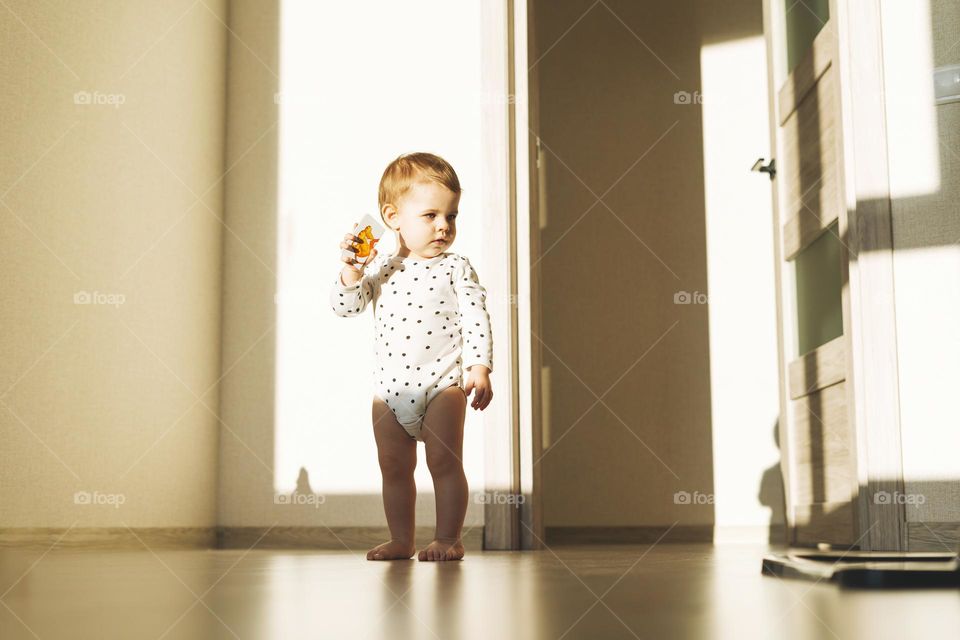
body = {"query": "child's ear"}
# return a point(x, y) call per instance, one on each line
point(389, 214)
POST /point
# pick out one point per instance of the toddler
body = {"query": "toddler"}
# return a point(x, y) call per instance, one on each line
point(431, 326)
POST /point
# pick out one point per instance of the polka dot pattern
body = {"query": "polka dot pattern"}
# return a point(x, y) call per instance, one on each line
point(426, 312)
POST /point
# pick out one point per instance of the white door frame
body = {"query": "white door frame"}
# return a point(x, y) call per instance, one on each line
point(512, 513)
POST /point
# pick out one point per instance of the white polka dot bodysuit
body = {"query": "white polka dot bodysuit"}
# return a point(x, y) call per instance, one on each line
point(431, 325)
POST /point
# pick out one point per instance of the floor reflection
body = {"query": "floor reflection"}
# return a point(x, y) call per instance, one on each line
point(665, 591)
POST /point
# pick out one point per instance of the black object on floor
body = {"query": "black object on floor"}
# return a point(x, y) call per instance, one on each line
point(867, 569)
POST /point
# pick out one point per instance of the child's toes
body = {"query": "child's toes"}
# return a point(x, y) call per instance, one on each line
point(429, 554)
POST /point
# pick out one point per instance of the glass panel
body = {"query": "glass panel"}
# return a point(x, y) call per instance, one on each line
point(804, 19)
point(819, 312)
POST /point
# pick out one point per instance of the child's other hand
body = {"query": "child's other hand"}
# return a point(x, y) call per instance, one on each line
point(478, 381)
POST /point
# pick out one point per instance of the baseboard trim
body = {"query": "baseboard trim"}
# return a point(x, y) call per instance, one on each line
point(362, 538)
point(772, 534)
point(109, 537)
point(933, 536)
point(308, 538)
point(629, 535)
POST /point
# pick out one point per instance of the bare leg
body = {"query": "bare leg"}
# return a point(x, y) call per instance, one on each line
point(443, 438)
point(397, 453)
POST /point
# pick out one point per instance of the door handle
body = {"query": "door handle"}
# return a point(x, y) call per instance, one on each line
point(770, 168)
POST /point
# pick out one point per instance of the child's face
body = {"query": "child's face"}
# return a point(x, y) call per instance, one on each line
point(425, 214)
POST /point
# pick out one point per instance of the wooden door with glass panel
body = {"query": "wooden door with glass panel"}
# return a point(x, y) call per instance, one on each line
point(816, 433)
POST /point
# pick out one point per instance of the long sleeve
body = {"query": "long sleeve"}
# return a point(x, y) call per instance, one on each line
point(347, 301)
point(474, 319)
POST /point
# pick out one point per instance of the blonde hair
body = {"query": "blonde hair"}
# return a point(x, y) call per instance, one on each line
point(410, 168)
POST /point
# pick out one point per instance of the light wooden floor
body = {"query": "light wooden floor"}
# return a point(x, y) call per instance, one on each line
point(668, 591)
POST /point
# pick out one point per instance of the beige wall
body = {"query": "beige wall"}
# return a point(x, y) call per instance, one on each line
point(249, 341)
point(605, 98)
point(120, 200)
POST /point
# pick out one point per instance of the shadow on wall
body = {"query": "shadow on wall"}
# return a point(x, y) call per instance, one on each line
point(771, 496)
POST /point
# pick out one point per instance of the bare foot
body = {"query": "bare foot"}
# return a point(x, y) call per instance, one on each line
point(391, 550)
point(442, 550)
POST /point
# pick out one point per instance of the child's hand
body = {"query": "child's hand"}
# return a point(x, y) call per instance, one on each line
point(478, 380)
point(351, 271)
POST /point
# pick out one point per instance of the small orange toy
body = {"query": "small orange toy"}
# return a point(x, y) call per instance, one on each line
point(369, 230)
point(364, 248)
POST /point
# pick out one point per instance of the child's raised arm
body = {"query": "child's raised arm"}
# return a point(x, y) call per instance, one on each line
point(353, 288)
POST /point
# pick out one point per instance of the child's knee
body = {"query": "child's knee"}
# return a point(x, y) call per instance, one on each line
point(443, 462)
point(397, 465)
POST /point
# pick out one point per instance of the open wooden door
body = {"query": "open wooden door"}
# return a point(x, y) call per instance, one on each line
point(811, 255)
